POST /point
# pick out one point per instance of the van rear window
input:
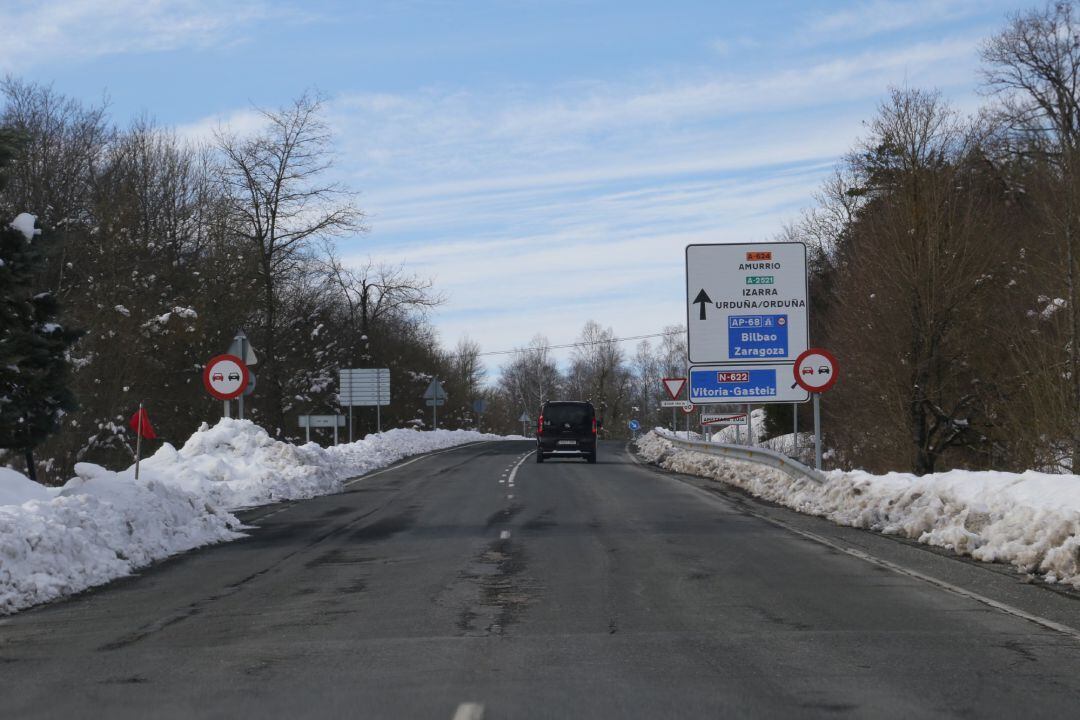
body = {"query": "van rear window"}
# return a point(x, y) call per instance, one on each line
point(573, 414)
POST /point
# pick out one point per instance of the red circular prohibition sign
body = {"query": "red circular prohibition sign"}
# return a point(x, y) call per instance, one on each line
point(812, 367)
point(220, 377)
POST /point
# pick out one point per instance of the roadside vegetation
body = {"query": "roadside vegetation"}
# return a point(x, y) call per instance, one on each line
point(946, 268)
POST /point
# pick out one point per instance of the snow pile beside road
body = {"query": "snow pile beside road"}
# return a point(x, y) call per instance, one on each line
point(16, 488)
point(236, 464)
point(101, 525)
point(104, 524)
point(1029, 519)
point(382, 449)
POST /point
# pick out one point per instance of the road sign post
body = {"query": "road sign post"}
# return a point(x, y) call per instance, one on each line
point(364, 387)
point(746, 314)
point(674, 387)
point(524, 420)
point(435, 396)
point(225, 377)
point(241, 348)
point(816, 371)
point(321, 421)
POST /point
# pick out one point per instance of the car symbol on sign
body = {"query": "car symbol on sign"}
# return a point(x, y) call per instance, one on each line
point(808, 371)
point(234, 376)
point(823, 370)
point(217, 376)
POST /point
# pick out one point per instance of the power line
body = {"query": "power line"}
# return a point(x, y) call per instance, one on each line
point(581, 344)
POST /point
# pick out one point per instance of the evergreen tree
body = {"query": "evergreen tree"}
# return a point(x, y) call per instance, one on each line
point(33, 345)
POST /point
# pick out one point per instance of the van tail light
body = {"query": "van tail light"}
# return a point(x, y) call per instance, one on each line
point(540, 426)
point(594, 426)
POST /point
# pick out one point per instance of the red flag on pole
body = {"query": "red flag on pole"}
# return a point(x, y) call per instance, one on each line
point(140, 423)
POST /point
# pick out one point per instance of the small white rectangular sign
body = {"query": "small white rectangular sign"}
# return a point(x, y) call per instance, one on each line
point(672, 403)
point(723, 418)
point(317, 421)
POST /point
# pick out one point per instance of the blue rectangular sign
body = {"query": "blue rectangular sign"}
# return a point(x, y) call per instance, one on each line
point(756, 337)
point(715, 385)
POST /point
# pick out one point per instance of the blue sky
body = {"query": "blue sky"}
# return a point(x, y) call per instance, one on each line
point(545, 160)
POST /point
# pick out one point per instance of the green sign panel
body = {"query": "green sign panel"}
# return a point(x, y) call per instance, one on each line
point(759, 279)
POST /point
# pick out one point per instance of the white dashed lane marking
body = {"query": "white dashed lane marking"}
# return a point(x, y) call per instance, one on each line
point(469, 711)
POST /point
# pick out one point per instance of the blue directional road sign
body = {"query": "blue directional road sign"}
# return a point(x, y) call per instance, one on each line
point(634, 425)
point(715, 384)
point(753, 337)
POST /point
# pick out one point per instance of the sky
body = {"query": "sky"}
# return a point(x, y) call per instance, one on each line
point(544, 161)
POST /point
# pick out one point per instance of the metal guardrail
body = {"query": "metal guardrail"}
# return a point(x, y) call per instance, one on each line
point(771, 458)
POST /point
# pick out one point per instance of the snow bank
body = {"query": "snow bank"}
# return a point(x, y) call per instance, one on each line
point(104, 524)
point(101, 525)
point(16, 488)
point(1029, 519)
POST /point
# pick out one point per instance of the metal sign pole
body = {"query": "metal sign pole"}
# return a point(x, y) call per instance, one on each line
point(226, 412)
point(243, 358)
point(378, 401)
point(307, 429)
point(795, 414)
point(435, 409)
point(138, 439)
point(817, 430)
point(335, 430)
point(749, 428)
point(350, 425)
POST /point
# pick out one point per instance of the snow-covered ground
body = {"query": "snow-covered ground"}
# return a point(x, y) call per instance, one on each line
point(104, 524)
point(1029, 519)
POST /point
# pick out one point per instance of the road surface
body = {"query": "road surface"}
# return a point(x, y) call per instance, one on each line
point(476, 583)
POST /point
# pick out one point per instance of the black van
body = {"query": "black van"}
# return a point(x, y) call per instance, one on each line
point(566, 427)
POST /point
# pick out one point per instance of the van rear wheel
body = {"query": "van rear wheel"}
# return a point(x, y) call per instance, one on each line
point(539, 456)
point(592, 457)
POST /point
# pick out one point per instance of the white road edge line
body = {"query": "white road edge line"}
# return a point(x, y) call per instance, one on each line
point(469, 711)
point(899, 569)
point(517, 466)
point(418, 458)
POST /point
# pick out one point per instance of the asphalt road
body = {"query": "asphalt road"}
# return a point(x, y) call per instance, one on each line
point(457, 587)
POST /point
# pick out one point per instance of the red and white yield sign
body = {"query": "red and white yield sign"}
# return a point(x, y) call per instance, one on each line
point(225, 377)
point(674, 386)
point(815, 370)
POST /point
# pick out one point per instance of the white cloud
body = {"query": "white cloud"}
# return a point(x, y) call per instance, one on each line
point(866, 19)
point(36, 31)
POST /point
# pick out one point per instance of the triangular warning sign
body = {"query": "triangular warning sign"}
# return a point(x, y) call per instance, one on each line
point(674, 386)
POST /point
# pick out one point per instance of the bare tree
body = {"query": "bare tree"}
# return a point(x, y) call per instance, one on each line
point(531, 377)
point(1033, 66)
point(373, 293)
point(918, 265)
point(281, 202)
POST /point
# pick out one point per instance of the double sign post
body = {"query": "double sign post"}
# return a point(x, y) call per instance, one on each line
point(228, 376)
point(747, 326)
